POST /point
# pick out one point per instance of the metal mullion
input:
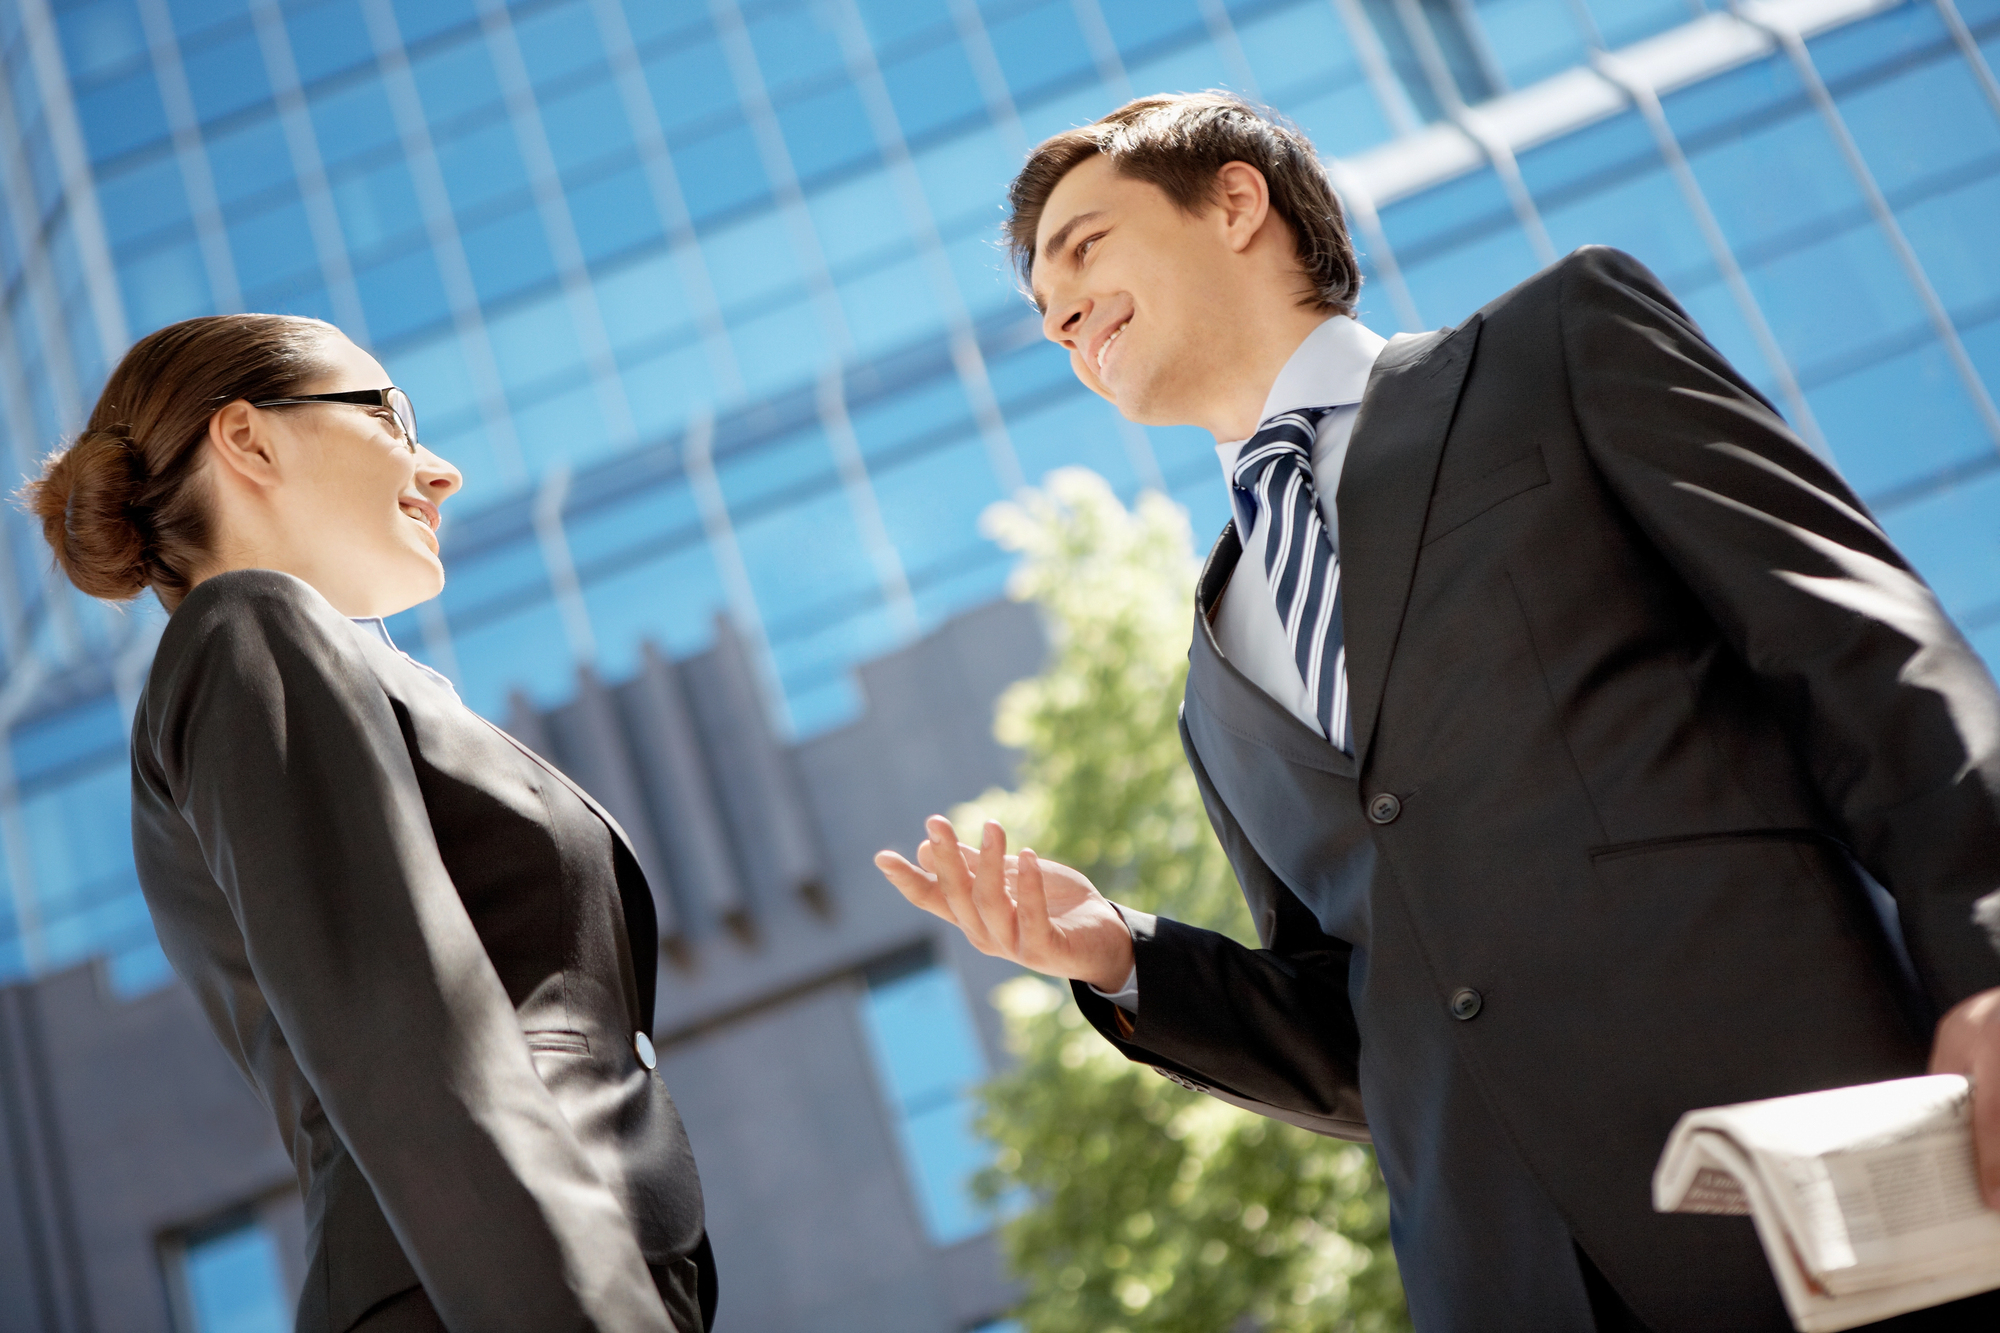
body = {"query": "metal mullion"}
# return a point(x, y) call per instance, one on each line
point(1360, 207)
point(1967, 47)
point(1103, 48)
point(698, 453)
point(441, 225)
point(302, 143)
point(862, 500)
point(1885, 218)
point(1508, 171)
point(552, 204)
point(966, 356)
point(1647, 102)
point(1222, 32)
point(992, 79)
point(1389, 91)
point(656, 159)
point(1482, 46)
point(1437, 70)
point(21, 686)
point(191, 155)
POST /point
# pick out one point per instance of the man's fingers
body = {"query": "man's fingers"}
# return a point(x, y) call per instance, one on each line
point(989, 890)
point(1038, 933)
point(1985, 1073)
point(914, 884)
point(955, 880)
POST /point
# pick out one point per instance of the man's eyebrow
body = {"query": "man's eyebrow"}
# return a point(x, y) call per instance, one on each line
point(1054, 243)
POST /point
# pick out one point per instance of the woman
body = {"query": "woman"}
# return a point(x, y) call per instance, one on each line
point(430, 952)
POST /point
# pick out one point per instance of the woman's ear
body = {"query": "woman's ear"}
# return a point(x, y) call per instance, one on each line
point(239, 440)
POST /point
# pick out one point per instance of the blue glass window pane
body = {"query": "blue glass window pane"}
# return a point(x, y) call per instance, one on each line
point(721, 173)
point(235, 1284)
point(483, 165)
point(642, 301)
point(750, 260)
point(143, 200)
point(1456, 283)
point(1343, 119)
point(827, 131)
point(1135, 23)
point(435, 376)
point(165, 286)
point(456, 79)
point(1185, 68)
point(526, 650)
point(379, 208)
point(965, 179)
point(890, 308)
point(424, 18)
point(1835, 298)
point(1041, 49)
point(1953, 237)
point(1442, 215)
point(1578, 160)
point(1881, 39)
point(558, 41)
point(1954, 543)
point(508, 255)
point(889, 21)
point(986, 278)
point(330, 36)
point(121, 115)
point(857, 218)
point(780, 350)
point(667, 388)
point(933, 88)
point(138, 969)
point(567, 427)
point(1718, 105)
point(931, 501)
point(671, 600)
point(674, 23)
point(98, 38)
point(1623, 22)
point(1532, 39)
point(352, 121)
point(1645, 217)
point(691, 84)
point(80, 845)
point(273, 248)
point(1720, 318)
point(1982, 344)
point(225, 76)
point(402, 296)
point(535, 342)
point(1296, 51)
point(195, 16)
point(1898, 125)
point(249, 161)
point(795, 43)
point(1767, 185)
point(1898, 420)
point(614, 215)
point(1078, 430)
point(586, 125)
point(85, 735)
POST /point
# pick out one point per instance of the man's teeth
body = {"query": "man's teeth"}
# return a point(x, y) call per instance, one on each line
point(1105, 348)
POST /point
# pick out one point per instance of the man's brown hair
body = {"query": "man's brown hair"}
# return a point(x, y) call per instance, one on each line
point(1179, 142)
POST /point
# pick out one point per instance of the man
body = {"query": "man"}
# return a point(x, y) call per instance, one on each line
point(1548, 698)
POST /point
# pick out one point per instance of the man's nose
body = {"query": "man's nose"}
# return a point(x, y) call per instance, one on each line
point(1065, 322)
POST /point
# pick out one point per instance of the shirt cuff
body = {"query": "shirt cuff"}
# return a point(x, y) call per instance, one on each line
point(1126, 997)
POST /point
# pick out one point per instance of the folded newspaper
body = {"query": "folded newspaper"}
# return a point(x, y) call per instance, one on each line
point(1865, 1198)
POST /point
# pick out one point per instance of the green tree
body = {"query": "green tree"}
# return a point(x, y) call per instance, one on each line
point(1152, 1209)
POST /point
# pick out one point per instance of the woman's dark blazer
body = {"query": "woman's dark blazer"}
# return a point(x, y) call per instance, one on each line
point(413, 936)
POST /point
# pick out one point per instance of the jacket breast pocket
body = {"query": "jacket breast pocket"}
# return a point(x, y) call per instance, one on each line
point(1458, 504)
point(555, 1039)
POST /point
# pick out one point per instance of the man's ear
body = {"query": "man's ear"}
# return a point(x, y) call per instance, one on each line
point(241, 444)
point(1243, 197)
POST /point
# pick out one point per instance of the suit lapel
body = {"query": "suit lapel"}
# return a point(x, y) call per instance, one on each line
point(1385, 492)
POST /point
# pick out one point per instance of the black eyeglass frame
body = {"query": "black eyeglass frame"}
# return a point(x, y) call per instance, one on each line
point(392, 398)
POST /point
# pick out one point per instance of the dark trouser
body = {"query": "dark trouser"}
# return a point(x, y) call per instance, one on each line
point(1974, 1314)
point(687, 1287)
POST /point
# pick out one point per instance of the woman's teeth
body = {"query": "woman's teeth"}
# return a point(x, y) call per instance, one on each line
point(1104, 348)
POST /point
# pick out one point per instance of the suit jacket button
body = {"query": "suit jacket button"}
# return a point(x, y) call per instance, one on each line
point(1465, 1004)
point(642, 1046)
point(1384, 808)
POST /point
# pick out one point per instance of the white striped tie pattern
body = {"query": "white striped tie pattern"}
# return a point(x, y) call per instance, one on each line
point(1274, 474)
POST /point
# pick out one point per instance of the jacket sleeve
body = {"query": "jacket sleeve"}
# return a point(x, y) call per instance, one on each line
point(286, 758)
point(1270, 1030)
point(1892, 712)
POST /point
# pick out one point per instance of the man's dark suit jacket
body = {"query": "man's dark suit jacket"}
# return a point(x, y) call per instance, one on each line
point(1637, 683)
point(413, 936)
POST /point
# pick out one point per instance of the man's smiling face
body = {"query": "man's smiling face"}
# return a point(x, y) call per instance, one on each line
point(1136, 289)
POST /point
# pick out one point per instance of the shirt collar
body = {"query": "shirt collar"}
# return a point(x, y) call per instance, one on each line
point(1329, 369)
point(374, 628)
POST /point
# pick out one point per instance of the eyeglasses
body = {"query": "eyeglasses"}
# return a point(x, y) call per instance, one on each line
point(392, 398)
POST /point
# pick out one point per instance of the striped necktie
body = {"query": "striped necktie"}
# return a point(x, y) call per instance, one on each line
point(1273, 475)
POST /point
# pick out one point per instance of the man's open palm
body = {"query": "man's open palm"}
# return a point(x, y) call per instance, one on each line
point(1037, 913)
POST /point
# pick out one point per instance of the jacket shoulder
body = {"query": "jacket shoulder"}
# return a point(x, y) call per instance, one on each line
point(1580, 274)
point(246, 631)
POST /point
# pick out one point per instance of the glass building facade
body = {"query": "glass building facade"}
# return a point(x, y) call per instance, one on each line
point(705, 298)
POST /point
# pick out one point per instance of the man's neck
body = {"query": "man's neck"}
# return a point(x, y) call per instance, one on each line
point(1270, 341)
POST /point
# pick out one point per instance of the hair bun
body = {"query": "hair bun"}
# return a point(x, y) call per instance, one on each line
point(87, 498)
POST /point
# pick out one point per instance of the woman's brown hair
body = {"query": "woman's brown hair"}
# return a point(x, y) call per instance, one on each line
point(124, 507)
point(1179, 142)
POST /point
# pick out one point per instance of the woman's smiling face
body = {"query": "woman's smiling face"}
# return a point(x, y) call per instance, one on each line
point(358, 500)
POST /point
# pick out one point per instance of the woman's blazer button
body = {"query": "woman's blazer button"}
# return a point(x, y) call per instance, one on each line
point(642, 1046)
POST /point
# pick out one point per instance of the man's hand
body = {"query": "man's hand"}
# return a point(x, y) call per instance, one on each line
point(1037, 913)
point(1968, 1043)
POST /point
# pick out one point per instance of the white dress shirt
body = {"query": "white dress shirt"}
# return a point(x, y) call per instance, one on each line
point(1329, 369)
point(375, 628)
